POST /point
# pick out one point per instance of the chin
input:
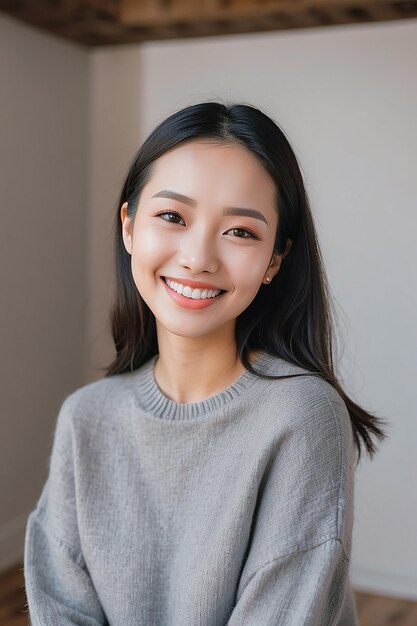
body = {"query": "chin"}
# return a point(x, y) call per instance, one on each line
point(190, 333)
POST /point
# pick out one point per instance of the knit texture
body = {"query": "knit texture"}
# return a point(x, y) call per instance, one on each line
point(235, 510)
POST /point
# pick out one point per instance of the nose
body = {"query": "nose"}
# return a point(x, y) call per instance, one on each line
point(198, 252)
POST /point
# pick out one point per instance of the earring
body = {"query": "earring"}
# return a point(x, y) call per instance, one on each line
point(267, 279)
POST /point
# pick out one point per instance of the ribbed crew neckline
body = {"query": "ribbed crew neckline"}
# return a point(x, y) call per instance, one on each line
point(150, 397)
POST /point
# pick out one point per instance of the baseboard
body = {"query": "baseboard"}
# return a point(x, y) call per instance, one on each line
point(383, 583)
point(12, 538)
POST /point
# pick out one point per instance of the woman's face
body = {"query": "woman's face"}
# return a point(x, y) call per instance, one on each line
point(185, 230)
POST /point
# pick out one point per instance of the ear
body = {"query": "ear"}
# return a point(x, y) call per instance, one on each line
point(127, 228)
point(287, 248)
point(275, 264)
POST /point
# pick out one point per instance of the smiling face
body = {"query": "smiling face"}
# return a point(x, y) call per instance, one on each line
point(207, 214)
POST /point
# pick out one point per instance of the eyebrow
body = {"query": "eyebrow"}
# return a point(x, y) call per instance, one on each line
point(230, 210)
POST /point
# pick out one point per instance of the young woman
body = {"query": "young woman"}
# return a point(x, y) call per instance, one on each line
point(208, 478)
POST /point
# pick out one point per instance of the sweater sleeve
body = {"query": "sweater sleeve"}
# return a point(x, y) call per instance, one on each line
point(59, 589)
point(297, 568)
point(302, 588)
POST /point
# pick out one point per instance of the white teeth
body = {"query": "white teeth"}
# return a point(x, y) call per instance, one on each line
point(189, 292)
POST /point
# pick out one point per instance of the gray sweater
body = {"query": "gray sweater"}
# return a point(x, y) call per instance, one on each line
point(235, 510)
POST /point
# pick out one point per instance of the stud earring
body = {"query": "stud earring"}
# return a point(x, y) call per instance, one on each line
point(267, 279)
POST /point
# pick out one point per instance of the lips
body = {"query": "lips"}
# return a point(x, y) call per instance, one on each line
point(192, 304)
point(193, 283)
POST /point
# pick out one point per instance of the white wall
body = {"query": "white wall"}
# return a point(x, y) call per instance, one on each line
point(346, 97)
point(114, 105)
point(43, 219)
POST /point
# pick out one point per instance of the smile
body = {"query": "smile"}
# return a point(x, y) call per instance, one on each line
point(196, 293)
point(190, 298)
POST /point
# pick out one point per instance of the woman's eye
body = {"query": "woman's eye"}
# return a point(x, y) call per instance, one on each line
point(163, 213)
point(244, 230)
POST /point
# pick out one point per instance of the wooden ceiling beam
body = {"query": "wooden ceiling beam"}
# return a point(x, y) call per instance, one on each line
point(157, 12)
point(112, 22)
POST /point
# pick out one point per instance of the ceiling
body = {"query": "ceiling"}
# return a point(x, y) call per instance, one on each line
point(111, 22)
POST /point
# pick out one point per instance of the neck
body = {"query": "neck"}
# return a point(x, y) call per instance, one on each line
point(191, 371)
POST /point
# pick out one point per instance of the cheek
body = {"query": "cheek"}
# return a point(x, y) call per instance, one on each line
point(248, 271)
point(150, 248)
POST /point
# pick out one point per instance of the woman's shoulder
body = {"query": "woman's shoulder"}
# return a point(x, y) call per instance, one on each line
point(301, 385)
point(305, 402)
point(93, 394)
point(107, 391)
point(100, 401)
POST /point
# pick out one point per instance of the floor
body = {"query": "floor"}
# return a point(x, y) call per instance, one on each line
point(373, 610)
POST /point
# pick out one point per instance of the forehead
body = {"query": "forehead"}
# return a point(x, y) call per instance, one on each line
point(226, 171)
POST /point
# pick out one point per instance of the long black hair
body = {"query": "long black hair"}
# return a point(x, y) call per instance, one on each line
point(292, 317)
